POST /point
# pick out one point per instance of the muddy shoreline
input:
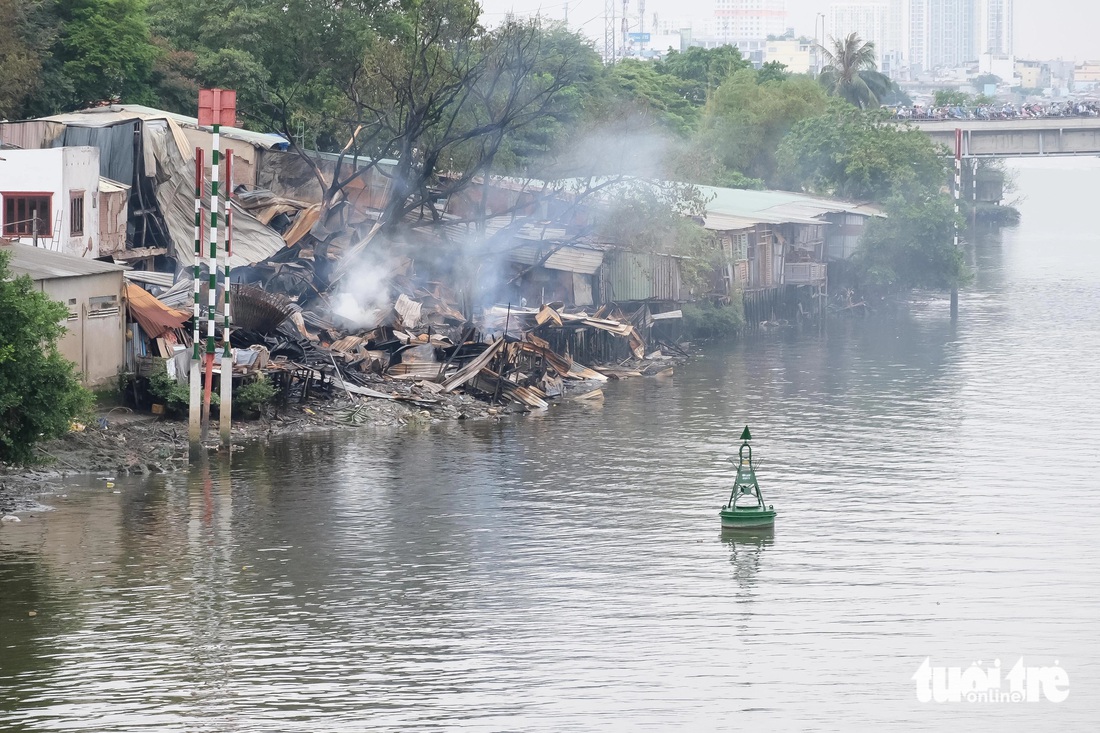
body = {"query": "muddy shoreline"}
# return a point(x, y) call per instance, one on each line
point(122, 442)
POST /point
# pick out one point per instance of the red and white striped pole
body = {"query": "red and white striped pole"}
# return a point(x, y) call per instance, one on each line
point(958, 192)
point(212, 265)
point(225, 415)
point(194, 424)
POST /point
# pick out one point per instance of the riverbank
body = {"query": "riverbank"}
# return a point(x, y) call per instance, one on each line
point(119, 441)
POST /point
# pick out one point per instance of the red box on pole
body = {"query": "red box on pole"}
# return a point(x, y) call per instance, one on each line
point(218, 107)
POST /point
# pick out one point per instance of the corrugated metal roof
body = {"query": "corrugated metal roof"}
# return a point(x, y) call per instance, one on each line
point(731, 208)
point(160, 279)
point(106, 185)
point(115, 113)
point(44, 264)
point(582, 260)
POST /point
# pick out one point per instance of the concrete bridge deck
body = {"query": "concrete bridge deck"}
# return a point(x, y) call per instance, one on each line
point(1042, 136)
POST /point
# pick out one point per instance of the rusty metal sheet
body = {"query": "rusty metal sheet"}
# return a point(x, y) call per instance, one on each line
point(409, 310)
point(472, 367)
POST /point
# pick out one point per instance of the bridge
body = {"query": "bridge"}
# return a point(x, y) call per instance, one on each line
point(1042, 136)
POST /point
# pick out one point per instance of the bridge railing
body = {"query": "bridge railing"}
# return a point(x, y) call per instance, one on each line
point(918, 113)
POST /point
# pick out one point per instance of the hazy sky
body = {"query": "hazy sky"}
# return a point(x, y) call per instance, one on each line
point(1045, 29)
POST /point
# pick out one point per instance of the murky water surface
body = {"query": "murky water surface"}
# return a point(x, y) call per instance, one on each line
point(937, 488)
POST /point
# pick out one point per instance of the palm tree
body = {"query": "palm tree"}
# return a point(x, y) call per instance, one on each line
point(850, 71)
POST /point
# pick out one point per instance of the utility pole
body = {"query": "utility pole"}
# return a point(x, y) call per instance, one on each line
point(625, 27)
point(609, 31)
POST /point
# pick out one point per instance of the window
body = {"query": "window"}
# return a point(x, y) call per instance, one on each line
point(22, 209)
point(102, 306)
point(76, 213)
point(741, 246)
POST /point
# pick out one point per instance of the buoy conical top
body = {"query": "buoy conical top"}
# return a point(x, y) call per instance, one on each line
point(746, 435)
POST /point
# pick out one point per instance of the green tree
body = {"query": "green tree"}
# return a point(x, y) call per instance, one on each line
point(39, 391)
point(850, 72)
point(772, 71)
point(857, 154)
point(105, 50)
point(982, 80)
point(290, 61)
point(745, 121)
point(951, 98)
point(19, 59)
point(700, 70)
point(912, 246)
point(637, 88)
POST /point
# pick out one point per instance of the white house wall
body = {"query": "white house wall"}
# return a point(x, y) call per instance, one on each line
point(81, 173)
point(32, 171)
point(56, 172)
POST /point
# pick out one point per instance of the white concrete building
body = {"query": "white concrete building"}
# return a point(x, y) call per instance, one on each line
point(797, 56)
point(882, 23)
point(943, 34)
point(995, 28)
point(52, 195)
point(750, 19)
point(868, 20)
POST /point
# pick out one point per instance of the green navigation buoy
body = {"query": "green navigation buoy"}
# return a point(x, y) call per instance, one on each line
point(752, 513)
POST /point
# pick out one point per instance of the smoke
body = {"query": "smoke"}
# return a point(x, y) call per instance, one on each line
point(364, 299)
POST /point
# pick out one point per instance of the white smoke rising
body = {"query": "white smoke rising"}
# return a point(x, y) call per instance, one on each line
point(364, 299)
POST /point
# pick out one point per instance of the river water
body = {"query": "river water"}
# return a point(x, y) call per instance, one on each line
point(565, 571)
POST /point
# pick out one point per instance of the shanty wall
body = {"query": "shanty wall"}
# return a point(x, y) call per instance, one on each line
point(95, 338)
point(843, 235)
point(113, 205)
point(635, 276)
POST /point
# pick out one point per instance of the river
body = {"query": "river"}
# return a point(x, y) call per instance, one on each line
point(565, 571)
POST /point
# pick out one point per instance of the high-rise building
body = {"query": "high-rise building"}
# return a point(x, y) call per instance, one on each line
point(874, 22)
point(952, 37)
point(750, 19)
point(995, 28)
point(917, 27)
point(944, 33)
point(867, 20)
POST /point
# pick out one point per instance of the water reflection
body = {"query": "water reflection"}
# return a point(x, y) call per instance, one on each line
point(562, 573)
point(747, 548)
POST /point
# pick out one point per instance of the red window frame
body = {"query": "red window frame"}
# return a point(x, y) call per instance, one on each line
point(13, 215)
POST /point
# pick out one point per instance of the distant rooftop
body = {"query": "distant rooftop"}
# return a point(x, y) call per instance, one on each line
point(737, 208)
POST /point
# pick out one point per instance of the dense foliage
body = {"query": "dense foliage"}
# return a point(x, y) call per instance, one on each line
point(850, 72)
point(39, 391)
point(859, 155)
point(426, 84)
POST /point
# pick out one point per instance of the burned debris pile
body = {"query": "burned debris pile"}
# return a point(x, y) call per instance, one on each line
point(423, 349)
